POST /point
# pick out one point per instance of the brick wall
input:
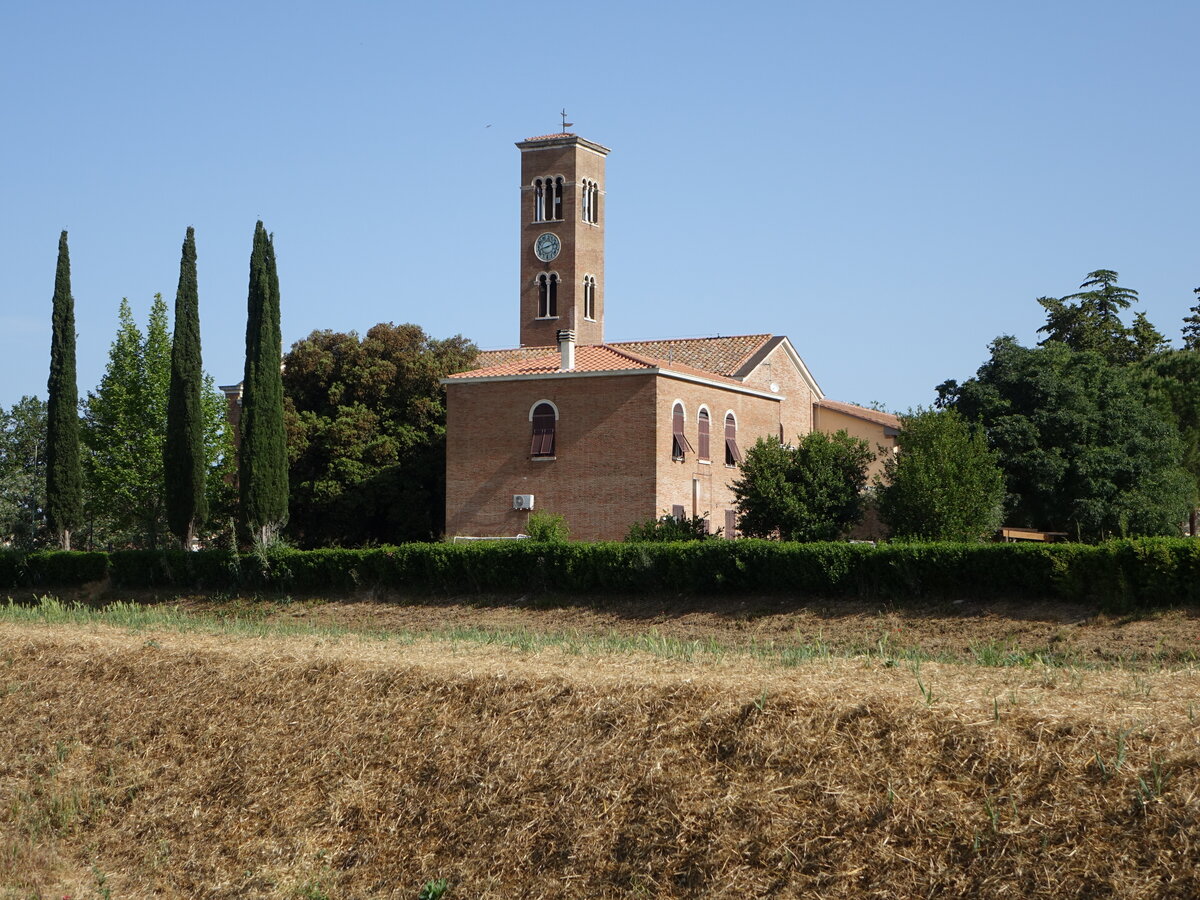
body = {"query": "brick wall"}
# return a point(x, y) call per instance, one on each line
point(601, 479)
point(704, 488)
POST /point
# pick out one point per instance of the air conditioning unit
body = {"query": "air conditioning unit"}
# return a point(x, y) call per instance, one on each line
point(522, 501)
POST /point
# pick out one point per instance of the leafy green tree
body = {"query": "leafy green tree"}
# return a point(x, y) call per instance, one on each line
point(1081, 449)
point(64, 472)
point(124, 430)
point(809, 492)
point(943, 484)
point(23, 474)
point(262, 470)
point(366, 434)
point(184, 461)
point(1191, 327)
point(1171, 384)
point(1091, 320)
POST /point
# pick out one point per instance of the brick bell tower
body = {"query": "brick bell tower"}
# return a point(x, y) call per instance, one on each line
point(562, 239)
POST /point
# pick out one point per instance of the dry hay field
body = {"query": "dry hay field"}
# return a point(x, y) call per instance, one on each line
point(641, 749)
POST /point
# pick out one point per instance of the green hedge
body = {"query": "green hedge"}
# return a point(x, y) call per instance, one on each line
point(1117, 575)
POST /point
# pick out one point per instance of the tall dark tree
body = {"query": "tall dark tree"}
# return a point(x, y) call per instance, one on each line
point(1191, 326)
point(1091, 320)
point(262, 460)
point(184, 457)
point(64, 473)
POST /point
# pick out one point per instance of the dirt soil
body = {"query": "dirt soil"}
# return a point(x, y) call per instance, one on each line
point(959, 630)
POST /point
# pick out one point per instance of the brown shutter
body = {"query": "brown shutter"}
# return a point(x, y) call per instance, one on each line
point(733, 455)
point(731, 523)
point(702, 434)
point(677, 512)
point(680, 444)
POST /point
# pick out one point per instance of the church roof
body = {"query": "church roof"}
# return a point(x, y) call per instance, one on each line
point(591, 358)
point(712, 355)
point(550, 137)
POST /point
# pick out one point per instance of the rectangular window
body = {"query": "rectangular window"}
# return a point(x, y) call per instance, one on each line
point(731, 523)
point(677, 512)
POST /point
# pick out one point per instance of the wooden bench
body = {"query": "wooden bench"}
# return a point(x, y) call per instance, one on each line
point(1009, 535)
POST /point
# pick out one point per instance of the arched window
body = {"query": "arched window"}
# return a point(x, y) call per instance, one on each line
point(589, 201)
point(548, 198)
point(702, 434)
point(547, 295)
point(589, 296)
point(544, 418)
point(733, 455)
point(679, 442)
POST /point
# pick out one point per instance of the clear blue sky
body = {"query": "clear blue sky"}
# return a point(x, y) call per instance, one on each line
point(890, 185)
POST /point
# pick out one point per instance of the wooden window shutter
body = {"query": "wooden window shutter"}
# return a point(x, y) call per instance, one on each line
point(677, 512)
point(731, 523)
point(702, 434)
point(679, 442)
point(733, 454)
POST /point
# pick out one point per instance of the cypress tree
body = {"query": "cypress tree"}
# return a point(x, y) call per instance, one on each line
point(262, 461)
point(183, 453)
point(64, 474)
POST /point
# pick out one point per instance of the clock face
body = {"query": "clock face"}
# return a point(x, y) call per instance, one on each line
point(546, 246)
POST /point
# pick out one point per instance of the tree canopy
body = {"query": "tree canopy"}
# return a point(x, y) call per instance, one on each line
point(808, 492)
point(944, 483)
point(1191, 326)
point(1091, 320)
point(366, 434)
point(1081, 450)
point(23, 474)
point(124, 422)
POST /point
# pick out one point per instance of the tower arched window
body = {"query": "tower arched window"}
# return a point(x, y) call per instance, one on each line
point(733, 454)
point(589, 296)
point(548, 198)
point(702, 435)
point(545, 419)
point(589, 201)
point(547, 295)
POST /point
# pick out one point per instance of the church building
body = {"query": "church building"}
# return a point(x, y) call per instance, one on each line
point(609, 434)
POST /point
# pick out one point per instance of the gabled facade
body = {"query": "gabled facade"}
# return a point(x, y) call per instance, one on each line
point(609, 434)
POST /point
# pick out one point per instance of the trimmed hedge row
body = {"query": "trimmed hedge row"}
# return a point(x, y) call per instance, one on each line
point(1119, 574)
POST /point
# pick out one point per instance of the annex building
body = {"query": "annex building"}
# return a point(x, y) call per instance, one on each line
point(609, 434)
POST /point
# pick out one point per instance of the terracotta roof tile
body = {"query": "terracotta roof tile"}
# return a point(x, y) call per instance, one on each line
point(550, 137)
point(861, 412)
point(722, 355)
point(588, 358)
point(713, 356)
